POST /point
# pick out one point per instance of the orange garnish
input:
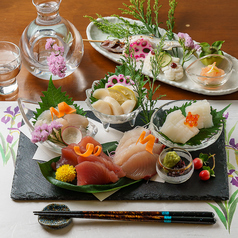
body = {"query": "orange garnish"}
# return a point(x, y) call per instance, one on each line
point(63, 108)
point(150, 140)
point(97, 150)
point(191, 120)
point(90, 150)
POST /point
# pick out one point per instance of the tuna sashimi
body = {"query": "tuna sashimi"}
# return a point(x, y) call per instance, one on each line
point(140, 165)
point(68, 156)
point(94, 173)
point(106, 162)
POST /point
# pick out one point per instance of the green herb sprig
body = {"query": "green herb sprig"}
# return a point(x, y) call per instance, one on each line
point(171, 19)
point(142, 11)
point(52, 97)
point(137, 10)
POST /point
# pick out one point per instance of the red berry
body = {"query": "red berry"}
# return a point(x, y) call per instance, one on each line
point(204, 175)
point(198, 163)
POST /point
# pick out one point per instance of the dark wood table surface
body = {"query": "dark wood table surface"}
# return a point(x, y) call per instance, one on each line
point(204, 20)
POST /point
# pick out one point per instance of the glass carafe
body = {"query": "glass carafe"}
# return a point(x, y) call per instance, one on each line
point(49, 24)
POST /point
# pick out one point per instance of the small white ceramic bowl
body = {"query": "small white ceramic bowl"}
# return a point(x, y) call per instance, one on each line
point(193, 71)
point(181, 173)
point(27, 109)
point(106, 119)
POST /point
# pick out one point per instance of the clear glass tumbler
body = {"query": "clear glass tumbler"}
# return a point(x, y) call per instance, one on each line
point(10, 65)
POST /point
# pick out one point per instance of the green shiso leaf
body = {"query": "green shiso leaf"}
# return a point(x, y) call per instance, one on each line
point(204, 133)
point(49, 174)
point(52, 97)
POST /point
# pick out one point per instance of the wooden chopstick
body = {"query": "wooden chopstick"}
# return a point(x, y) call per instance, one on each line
point(133, 216)
point(149, 213)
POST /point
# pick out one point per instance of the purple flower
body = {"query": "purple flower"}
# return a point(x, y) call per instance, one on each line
point(233, 144)
point(41, 133)
point(49, 43)
point(226, 115)
point(5, 119)
point(9, 138)
point(188, 41)
point(56, 61)
point(234, 181)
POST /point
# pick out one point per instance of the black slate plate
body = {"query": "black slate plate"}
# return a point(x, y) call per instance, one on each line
point(29, 183)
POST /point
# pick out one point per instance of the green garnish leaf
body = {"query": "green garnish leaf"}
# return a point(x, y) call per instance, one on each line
point(52, 97)
point(49, 174)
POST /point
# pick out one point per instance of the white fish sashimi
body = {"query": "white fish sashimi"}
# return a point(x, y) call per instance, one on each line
point(124, 154)
point(131, 137)
point(76, 120)
point(175, 129)
point(203, 109)
point(140, 165)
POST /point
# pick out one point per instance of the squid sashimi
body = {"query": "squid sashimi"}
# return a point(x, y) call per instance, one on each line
point(94, 173)
point(145, 165)
point(203, 109)
point(107, 162)
point(175, 129)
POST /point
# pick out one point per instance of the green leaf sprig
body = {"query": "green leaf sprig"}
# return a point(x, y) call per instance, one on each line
point(137, 10)
point(52, 97)
point(171, 19)
point(142, 11)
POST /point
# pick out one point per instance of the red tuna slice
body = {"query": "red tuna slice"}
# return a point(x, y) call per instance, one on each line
point(85, 140)
point(107, 162)
point(94, 173)
point(68, 156)
point(141, 165)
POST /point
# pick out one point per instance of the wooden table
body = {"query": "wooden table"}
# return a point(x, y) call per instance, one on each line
point(206, 20)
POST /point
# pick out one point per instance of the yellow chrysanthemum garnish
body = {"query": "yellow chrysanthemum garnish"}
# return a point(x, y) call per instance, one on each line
point(65, 173)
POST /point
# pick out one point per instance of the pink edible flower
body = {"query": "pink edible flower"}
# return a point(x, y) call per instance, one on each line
point(56, 61)
point(49, 43)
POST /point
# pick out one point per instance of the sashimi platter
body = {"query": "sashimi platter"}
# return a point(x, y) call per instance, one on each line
point(87, 165)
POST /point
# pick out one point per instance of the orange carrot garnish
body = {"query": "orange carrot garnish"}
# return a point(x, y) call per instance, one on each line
point(150, 140)
point(191, 120)
point(90, 150)
point(63, 108)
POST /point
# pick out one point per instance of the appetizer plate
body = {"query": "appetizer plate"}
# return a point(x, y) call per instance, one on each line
point(93, 33)
point(203, 139)
point(27, 109)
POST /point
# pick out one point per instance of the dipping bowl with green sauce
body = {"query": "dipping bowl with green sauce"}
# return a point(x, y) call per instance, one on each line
point(172, 169)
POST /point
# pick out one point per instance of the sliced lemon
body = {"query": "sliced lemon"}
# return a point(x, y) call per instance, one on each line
point(166, 59)
point(117, 95)
point(128, 93)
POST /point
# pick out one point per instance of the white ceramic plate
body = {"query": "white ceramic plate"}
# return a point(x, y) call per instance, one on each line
point(93, 33)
